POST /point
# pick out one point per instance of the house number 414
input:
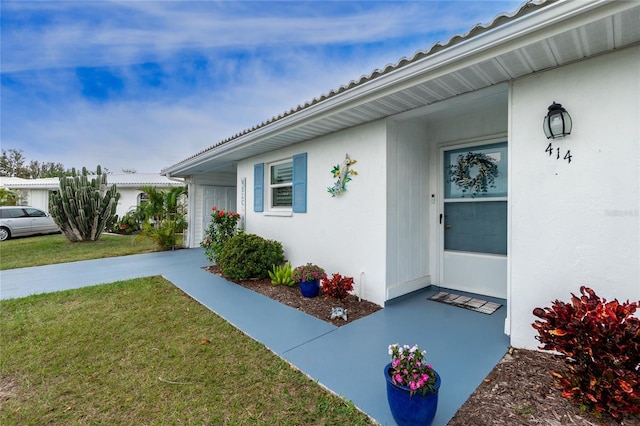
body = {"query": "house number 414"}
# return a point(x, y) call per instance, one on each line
point(551, 150)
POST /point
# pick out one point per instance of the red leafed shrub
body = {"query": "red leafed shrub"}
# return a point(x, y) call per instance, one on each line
point(337, 287)
point(601, 344)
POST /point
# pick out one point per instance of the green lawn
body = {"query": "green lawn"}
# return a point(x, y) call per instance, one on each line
point(48, 249)
point(142, 352)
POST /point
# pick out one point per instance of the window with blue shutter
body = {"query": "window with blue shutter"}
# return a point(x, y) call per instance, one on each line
point(300, 183)
point(258, 187)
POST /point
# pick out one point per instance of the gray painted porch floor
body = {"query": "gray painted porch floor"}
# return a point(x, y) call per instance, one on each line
point(462, 345)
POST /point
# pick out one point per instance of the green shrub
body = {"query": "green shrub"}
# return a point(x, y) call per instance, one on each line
point(601, 344)
point(164, 235)
point(247, 256)
point(128, 224)
point(222, 227)
point(282, 275)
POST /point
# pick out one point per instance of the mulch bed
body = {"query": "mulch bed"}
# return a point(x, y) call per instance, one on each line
point(319, 307)
point(520, 391)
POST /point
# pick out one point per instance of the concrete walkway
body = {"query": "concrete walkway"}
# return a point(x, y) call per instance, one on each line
point(463, 346)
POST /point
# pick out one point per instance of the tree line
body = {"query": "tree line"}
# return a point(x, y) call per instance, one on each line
point(13, 163)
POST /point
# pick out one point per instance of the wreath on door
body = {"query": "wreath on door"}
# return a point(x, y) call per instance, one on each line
point(487, 171)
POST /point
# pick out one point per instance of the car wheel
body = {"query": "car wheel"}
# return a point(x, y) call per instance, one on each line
point(4, 234)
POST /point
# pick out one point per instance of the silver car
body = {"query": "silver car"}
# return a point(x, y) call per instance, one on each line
point(19, 221)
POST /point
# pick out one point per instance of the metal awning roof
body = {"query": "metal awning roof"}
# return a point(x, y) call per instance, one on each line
point(538, 36)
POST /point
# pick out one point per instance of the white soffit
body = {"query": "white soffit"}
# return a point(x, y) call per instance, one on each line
point(552, 35)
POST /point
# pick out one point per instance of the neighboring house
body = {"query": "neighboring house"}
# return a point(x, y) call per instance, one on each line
point(35, 192)
point(559, 214)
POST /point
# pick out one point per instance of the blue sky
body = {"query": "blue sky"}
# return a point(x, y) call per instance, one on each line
point(144, 84)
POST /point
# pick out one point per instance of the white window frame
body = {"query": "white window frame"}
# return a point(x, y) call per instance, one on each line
point(142, 198)
point(271, 209)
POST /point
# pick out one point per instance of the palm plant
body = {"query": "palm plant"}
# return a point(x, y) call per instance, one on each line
point(153, 207)
point(164, 214)
point(9, 197)
point(174, 207)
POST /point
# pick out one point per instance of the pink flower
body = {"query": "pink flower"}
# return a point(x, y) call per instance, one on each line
point(412, 385)
point(398, 378)
point(214, 208)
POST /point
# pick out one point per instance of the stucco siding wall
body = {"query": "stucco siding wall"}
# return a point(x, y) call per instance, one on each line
point(575, 223)
point(344, 234)
point(407, 208)
point(128, 200)
point(487, 122)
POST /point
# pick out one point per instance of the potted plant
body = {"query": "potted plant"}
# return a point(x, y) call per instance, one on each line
point(412, 386)
point(309, 277)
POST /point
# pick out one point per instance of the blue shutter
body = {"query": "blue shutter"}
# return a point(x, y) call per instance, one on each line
point(300, 183)
point(258, 187)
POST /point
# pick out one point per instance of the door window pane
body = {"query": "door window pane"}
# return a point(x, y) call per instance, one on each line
point(476, 172)
point(476, 227)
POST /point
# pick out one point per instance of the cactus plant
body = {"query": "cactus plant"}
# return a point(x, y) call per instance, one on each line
point(84, 208)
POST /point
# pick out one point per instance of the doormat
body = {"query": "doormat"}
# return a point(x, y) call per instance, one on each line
point(477, 305)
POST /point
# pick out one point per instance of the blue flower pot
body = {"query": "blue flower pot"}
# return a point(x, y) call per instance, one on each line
point(310, 288)
point(408, 410)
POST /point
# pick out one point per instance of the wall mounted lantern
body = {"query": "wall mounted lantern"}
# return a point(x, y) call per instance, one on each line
point(557, 123)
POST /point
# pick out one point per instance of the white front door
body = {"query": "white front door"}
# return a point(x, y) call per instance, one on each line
point(221, 197)
point(473, 219)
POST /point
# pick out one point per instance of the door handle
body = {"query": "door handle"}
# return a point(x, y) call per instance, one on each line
point(440, 218)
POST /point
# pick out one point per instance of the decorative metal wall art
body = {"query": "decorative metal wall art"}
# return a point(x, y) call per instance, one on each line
point(343, 172)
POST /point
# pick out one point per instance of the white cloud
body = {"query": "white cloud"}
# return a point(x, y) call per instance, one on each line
point(258, 60)
point(150, 135)
point(107, 33)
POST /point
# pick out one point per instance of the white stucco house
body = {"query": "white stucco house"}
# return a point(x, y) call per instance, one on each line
point(556, 214)
point(35, 192)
